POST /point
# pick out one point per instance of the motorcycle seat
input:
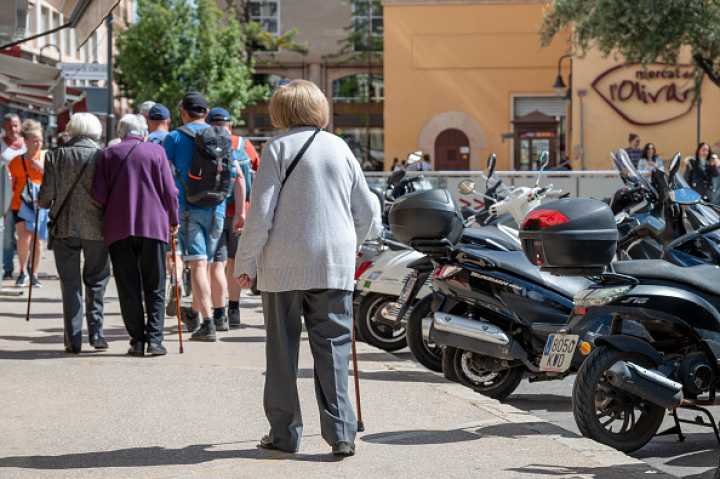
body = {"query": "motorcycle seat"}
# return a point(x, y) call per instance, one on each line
point(704, 277)
point(480, 235)
point(515, 262)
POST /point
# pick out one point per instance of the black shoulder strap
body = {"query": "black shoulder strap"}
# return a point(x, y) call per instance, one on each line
point(77, 180)
point(187, 130)
point(112, 184)
point(298, 156)
point(27, 177)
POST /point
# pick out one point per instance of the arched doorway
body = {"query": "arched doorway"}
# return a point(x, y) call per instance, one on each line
point(452, 151)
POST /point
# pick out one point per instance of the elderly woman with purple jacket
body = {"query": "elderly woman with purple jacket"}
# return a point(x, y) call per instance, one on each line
point(134, 182)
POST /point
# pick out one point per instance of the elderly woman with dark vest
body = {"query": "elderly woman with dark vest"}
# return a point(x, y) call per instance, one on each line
point(303, 230)
point(79, 229)
point(134, 183)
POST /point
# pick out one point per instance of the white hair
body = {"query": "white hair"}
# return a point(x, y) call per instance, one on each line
point(131, 124)
point(84, 124)
point(145, 107)
point(11, 116)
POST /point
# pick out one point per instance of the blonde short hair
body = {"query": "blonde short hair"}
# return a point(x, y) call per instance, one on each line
point(84, 124)
point(29, 127)
point(299, 103)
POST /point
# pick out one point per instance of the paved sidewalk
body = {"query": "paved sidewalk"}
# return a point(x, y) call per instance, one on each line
point(106, 414)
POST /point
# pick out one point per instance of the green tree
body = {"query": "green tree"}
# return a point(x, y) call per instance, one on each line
point(178, 46)
point(640, 31)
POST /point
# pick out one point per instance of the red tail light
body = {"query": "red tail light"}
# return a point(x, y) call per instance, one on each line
point(362, 268)
point(540, 219)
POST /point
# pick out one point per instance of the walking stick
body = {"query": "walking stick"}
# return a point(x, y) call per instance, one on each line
point(177, 291)
point(360, 424)
point(32, 262)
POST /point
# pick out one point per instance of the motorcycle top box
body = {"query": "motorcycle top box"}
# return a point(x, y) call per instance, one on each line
point(427, 217)
point(570, 237)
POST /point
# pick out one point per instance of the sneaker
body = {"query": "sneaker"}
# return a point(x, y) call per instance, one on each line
point(7, 275)
point(343, 449)
point(206, 332)
point(234, 318)
point(36, 283)
point(191, 324)
point(221, 324)
point(171, 308)
point(22, 280)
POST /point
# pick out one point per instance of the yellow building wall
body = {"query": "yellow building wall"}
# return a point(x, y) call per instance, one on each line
point(466, 60)
point(605, 128)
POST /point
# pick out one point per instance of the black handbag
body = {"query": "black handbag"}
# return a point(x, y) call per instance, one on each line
point(27, 195)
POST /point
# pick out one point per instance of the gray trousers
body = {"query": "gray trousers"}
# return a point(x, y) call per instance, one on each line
point(329, 322)
point(95, 276)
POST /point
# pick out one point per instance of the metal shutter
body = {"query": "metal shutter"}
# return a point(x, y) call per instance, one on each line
point(549, 105)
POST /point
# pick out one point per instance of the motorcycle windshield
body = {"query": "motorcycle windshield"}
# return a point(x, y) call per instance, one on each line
point(630, 176)
point(490, 184)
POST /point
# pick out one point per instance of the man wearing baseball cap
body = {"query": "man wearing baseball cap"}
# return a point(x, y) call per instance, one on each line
point(200, 225)
point(223, 265)
point(158, 123)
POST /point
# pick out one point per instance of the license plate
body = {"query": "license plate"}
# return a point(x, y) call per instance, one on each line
point(409, 283)
point(558, 353)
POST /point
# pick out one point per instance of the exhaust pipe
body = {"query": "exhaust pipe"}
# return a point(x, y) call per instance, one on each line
point(426, 326)
point(478, 337)
point(645, 383)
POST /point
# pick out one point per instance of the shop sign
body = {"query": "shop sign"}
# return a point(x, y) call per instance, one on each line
point(538, 134)
point(648, 95)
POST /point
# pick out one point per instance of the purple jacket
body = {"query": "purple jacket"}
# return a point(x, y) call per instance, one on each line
point(143, 201)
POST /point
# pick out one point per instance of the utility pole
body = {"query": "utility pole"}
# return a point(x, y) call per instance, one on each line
point(369, 81)
point(110, 127)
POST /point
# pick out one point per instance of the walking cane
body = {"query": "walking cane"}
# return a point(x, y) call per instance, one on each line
point(177, 291)
point(360, 424)
point(32, 262)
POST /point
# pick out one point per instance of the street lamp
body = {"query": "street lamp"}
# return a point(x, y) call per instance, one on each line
point(559, 84)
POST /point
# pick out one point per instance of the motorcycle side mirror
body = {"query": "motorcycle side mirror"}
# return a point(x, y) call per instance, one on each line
point(685, 196)
point(543, 160)
point(491, 161)
point(466, 187)
point(674, 166)
point(620, 217)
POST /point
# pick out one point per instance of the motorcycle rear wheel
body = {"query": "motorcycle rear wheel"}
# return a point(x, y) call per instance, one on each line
point(372, 331)
point(426, 353)
point(597, 405)
point(494, 384)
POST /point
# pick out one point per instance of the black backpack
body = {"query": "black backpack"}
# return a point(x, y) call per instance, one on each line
point(210, 181)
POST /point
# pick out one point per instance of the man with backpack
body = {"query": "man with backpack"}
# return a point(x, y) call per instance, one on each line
point(205, 174)
point(223, 264)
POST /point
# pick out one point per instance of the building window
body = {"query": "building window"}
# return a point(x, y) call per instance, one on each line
point(368, 25)
point(44, 24)
point(267, 14)
point(353, 89)
point(30, 21)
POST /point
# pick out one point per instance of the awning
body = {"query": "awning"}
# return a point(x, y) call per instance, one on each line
point(84, 15)
point(41, 86)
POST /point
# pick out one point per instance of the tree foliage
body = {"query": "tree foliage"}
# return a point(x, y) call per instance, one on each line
point(641, 31)
point(177, 46)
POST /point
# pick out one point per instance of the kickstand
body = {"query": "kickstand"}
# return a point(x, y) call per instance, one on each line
point(698, 421)
point(676, 429)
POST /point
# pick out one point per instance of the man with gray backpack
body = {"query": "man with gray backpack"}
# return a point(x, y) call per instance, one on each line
point(206, 173)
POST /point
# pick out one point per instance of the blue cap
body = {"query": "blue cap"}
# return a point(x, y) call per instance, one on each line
point(159, 112)
point(218, 114)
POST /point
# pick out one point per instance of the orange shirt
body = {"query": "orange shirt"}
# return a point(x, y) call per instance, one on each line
point(18, 173)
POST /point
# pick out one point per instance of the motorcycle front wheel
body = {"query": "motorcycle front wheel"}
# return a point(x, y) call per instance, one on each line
point(426, 353)
point(467, 369)
point(609, 414)
point(374, 332)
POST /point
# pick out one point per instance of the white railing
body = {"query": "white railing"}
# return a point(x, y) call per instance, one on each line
point(585, 184)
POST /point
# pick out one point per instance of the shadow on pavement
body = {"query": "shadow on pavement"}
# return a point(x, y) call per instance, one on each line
point(153, 456)
point(420, 437)
point(244, 339)
point(610, 472)
point(540, 402)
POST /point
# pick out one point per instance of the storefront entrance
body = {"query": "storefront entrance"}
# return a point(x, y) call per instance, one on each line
point(534, 133)
point(452, 151)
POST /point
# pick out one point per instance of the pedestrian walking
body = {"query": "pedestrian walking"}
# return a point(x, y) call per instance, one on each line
point(633, 150)
point(223, 265)
point(77, 228)
point(25, 168)
point(310, 210)
point(12, 144)
point(158, 123)
point(701, 169)
point(134, 183)
point(201, 226)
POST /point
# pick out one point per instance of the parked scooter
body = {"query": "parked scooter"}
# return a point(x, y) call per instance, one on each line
point(628, 382)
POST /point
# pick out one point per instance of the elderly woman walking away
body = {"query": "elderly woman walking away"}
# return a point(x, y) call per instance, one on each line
point(25, 168)
point(134, 182)
point(78, 225)
point(304, 228)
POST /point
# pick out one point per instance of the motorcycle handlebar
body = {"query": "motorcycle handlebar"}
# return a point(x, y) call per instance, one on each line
point(708, 229)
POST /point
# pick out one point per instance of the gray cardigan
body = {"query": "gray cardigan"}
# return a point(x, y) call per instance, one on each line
point(307, 235)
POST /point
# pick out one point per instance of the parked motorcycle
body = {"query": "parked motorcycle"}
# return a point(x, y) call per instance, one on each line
point(628, 382)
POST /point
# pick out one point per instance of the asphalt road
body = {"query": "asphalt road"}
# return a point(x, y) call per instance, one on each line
point(696, 457)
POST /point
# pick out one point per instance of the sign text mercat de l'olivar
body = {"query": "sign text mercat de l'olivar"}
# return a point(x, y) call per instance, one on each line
point(648, 94)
